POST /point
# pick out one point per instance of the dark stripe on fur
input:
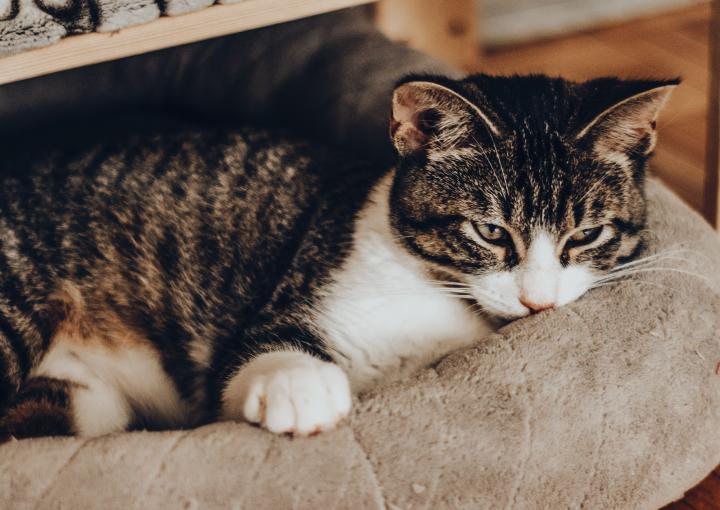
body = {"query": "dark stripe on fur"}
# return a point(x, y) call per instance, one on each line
point(42, 408)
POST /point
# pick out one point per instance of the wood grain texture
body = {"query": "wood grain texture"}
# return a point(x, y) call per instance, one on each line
point(80, 50)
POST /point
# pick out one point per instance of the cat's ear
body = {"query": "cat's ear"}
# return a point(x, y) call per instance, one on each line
point(426, 114)
point(628, 127)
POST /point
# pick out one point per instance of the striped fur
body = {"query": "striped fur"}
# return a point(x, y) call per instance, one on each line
point(172, 280)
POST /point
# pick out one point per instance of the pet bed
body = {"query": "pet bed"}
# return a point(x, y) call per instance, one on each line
point(610, 402)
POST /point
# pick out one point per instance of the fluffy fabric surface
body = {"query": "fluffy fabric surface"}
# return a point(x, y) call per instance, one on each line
point(611, 402)
point(28, 24)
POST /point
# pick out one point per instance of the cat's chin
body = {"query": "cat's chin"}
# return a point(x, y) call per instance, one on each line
point(501, 316)
point(514, 316)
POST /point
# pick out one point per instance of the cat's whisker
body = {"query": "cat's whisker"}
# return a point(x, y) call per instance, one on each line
point(649, 265)
point(629, 282)
point(497, 155)
point(670, 255)
point(646, 261)
point(391, 290)
point(592, 188)
point(634, 271)
point(436, 284)
point(675, 250)
point(478, 309)
point(505, 188)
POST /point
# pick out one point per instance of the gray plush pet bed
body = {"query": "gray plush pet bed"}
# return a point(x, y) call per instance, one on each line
point(611, 402)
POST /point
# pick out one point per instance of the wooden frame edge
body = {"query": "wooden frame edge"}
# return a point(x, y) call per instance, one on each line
point(164, 32)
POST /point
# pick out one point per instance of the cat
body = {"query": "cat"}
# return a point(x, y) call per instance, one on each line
point(237, 275)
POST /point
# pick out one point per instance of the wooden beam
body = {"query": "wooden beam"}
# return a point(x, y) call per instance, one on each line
point(446, 29)
point(712, 169)
point(218, 20)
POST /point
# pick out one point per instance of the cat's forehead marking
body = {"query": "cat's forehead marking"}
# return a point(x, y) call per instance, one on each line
point(537, 201)
point(548, 188)
point(542, 249)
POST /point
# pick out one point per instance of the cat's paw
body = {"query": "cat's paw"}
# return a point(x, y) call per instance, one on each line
point(289, 392)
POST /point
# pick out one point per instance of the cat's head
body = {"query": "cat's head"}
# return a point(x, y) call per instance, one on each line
point(527, 189)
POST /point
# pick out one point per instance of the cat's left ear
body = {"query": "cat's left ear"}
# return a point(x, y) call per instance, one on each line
point(426, 115)
point(629, 126)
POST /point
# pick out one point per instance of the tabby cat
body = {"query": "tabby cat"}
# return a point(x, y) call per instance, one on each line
point(235, 275)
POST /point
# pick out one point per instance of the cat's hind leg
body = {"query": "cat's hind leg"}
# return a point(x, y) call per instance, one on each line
point(67, 395)
point(92, 386)
point(42, 408)
point(98, 404)
point(288, 391)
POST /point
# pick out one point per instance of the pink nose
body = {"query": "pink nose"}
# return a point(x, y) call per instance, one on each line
point(536, 307)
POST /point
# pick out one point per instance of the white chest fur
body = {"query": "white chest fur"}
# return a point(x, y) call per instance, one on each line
point(382, 317)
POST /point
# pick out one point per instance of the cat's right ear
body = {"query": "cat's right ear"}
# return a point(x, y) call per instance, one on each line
point(426, 115)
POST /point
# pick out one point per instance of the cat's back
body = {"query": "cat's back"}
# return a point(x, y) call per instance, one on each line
point(215, 211)
point(173, 169)
point(251, 184)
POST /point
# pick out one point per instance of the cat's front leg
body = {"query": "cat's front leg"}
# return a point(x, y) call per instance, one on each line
point(288, 392)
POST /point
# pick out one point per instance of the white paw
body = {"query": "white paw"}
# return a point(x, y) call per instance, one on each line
point(289, 392)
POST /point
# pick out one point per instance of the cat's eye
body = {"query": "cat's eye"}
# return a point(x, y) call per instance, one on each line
point(584, 236)
point(491, 233)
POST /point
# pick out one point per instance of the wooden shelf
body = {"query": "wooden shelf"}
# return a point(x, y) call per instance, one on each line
point(712, 164)
point(79, 50)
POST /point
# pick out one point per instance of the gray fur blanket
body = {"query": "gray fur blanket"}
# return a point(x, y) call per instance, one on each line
point(27, 24)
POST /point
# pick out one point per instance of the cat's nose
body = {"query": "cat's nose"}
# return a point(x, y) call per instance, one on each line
point(536, 307)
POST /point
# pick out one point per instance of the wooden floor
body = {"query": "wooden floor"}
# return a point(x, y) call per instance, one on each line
point(665, 46)
point(670, 45)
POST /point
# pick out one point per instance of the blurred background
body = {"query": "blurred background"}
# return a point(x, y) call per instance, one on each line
point(582, 39)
